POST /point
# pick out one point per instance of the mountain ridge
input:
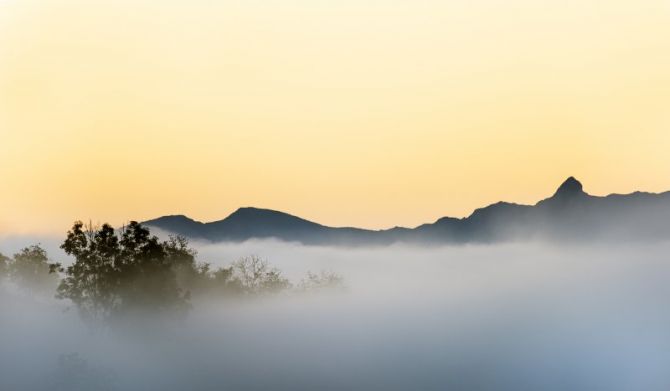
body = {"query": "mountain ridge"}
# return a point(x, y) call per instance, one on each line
point(569, 214)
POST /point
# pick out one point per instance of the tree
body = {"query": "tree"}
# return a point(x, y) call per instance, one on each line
point(182, 258)
point(224, 281)
point(4, 265)
point(198, 278)
point(30, 270)
point(257, 277)
point(221, 281)
point(114, 276)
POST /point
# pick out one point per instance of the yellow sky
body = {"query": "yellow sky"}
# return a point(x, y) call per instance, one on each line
point(364, 113)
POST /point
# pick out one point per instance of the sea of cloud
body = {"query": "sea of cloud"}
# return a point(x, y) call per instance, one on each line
point(521, 316)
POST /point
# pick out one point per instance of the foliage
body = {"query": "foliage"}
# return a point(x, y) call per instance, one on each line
point(30, 270)
point(182, 259)
point(114, 276)
point(4, 265)
point(219, 282)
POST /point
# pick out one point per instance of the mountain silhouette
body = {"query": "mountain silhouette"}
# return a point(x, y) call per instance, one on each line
point(255, 223)
point(570, 188)
point(569, 214)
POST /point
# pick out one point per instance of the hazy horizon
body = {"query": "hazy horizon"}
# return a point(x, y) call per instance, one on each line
point(454, 161)
point(361, 113)
point(51, 231)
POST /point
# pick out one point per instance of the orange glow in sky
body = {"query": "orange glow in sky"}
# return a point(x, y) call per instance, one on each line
point(359, 113)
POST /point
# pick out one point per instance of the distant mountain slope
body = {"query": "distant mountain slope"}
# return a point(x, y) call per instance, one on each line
point(249, 223)
point(570, 214)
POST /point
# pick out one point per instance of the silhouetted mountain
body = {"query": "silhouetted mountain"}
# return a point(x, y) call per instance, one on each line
point(570, 188)
point(249, 223)
point(570, 214)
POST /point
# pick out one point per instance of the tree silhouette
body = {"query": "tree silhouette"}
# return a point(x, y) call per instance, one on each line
point(189, 274)
point(30, 270)
point(132, 272)
point(4, 265)
point(114, 276)
point(223, 281)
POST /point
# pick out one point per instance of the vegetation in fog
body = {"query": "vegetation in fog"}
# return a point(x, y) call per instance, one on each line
point(461, 318)
point(257, 277)
point(114, 275)
point(119, 273)
point(4, 265)
point(29, 269)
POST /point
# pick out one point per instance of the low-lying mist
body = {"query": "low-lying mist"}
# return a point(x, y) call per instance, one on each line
point(523, 316)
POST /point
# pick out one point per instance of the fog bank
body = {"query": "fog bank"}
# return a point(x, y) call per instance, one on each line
point(500, 317)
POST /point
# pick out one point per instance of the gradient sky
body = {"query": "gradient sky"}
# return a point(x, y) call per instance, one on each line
point(364, 113)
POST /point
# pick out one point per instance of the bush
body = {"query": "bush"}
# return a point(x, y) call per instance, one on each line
point(30, 270)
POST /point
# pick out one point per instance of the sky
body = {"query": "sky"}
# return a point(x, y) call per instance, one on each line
point(350, 113)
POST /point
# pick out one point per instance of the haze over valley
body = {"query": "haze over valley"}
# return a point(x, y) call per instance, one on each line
point(334, 195)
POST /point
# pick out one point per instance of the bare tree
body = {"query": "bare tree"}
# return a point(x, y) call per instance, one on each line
point(257, 277)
